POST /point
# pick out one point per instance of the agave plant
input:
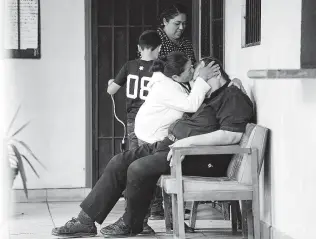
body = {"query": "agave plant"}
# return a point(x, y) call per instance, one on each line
point(15, 154)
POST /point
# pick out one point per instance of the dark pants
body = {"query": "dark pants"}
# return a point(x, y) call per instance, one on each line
point(132, 139)
point(138, 171)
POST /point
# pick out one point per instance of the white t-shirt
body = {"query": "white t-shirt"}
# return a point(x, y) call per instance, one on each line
point(166, 102)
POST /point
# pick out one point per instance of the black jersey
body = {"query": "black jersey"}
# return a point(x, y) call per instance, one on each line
point(136, 75)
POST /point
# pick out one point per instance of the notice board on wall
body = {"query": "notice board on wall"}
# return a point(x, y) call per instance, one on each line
point(22, 29)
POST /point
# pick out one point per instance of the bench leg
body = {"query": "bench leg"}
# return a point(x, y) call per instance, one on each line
point(247, 220)
point(193, 213)
point(234, 215)
point(168, 211)
point(256, 214)
point(178, 217)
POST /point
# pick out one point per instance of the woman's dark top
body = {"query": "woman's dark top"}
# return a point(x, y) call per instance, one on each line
point(183, 45)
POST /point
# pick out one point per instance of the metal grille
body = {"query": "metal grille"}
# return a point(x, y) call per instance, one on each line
point(212, 29)
point(218, 29)
point(253, 22)
point(205, 28)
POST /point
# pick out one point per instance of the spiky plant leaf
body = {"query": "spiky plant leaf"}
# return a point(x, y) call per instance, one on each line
point(20, 129)
point(23, 156)
point(21, 168)
point(13, 119)
point(29, 150)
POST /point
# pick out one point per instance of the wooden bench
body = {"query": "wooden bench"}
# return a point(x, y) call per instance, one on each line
point(241, 182)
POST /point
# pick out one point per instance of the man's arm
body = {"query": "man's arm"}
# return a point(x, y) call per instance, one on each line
point(218, 137)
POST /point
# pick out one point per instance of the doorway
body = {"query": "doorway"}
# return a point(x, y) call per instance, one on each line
point(116, 26)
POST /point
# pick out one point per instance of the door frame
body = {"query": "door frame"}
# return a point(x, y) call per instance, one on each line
point(89, 75)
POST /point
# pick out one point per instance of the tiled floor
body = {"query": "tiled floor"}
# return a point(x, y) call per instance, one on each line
point(36, 220)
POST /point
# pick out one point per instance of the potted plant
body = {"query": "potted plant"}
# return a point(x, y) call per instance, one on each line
point(18, 153)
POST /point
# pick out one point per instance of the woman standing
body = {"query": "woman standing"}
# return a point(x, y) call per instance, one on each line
point(173, 23)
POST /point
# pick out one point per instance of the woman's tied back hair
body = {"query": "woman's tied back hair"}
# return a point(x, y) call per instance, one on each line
point(172, 11)
point(172, 64)
point(209, 59)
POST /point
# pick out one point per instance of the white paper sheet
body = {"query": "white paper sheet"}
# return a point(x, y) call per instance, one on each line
point(28, 24)
point(11, 25)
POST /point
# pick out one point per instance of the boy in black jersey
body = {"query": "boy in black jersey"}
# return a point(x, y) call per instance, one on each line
point(136, 75)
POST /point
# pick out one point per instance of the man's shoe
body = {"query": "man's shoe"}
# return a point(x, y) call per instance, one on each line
point(117, 229)
point(147, 229)
point(157, 212)
point(73, 228)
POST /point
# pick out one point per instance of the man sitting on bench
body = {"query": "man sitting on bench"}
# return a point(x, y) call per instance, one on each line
point(220, 120)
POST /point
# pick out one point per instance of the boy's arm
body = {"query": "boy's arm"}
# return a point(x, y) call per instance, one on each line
point(112, 87)
point(115, 84)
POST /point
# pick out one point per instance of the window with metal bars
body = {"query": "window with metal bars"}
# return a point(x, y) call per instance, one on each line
point(212, 29)
point(252, 23)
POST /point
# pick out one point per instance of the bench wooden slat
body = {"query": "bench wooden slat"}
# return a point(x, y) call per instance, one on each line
point(203, 186)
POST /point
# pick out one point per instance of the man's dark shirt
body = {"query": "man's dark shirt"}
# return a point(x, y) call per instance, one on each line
point(228, 109)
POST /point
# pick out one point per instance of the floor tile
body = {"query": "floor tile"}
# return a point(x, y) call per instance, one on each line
point(36, 220)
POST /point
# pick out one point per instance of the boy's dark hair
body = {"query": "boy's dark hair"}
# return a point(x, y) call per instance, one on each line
point(172, 64)
point(208, 59)
point(149, 39)
point(172, 11)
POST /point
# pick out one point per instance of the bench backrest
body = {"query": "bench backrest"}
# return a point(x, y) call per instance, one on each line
point(240, 166)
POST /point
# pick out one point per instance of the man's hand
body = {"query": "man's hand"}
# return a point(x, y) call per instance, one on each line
point(179, 143)
point(236, 82)
point(209, 71)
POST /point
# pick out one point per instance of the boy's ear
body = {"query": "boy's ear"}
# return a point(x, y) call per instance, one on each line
point(139, 48)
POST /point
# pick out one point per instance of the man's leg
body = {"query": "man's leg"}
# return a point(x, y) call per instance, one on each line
point(142, 176)
point(103, 196)
point(156, 210)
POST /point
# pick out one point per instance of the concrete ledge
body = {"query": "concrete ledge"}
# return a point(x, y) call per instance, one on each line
point(282, 74)
point(50, 195)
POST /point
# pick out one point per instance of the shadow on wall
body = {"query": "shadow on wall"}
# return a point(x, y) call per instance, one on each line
point(267, 199)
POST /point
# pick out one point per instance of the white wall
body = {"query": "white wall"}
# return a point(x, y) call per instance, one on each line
point(287, 107)
point(52, 93)
point(280, 38)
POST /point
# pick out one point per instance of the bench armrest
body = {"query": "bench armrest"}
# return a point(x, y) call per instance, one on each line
point(202, 150)
point(178, 152)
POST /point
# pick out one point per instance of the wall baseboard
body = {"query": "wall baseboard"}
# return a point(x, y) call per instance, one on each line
point(270, 232)
point(50, 195)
